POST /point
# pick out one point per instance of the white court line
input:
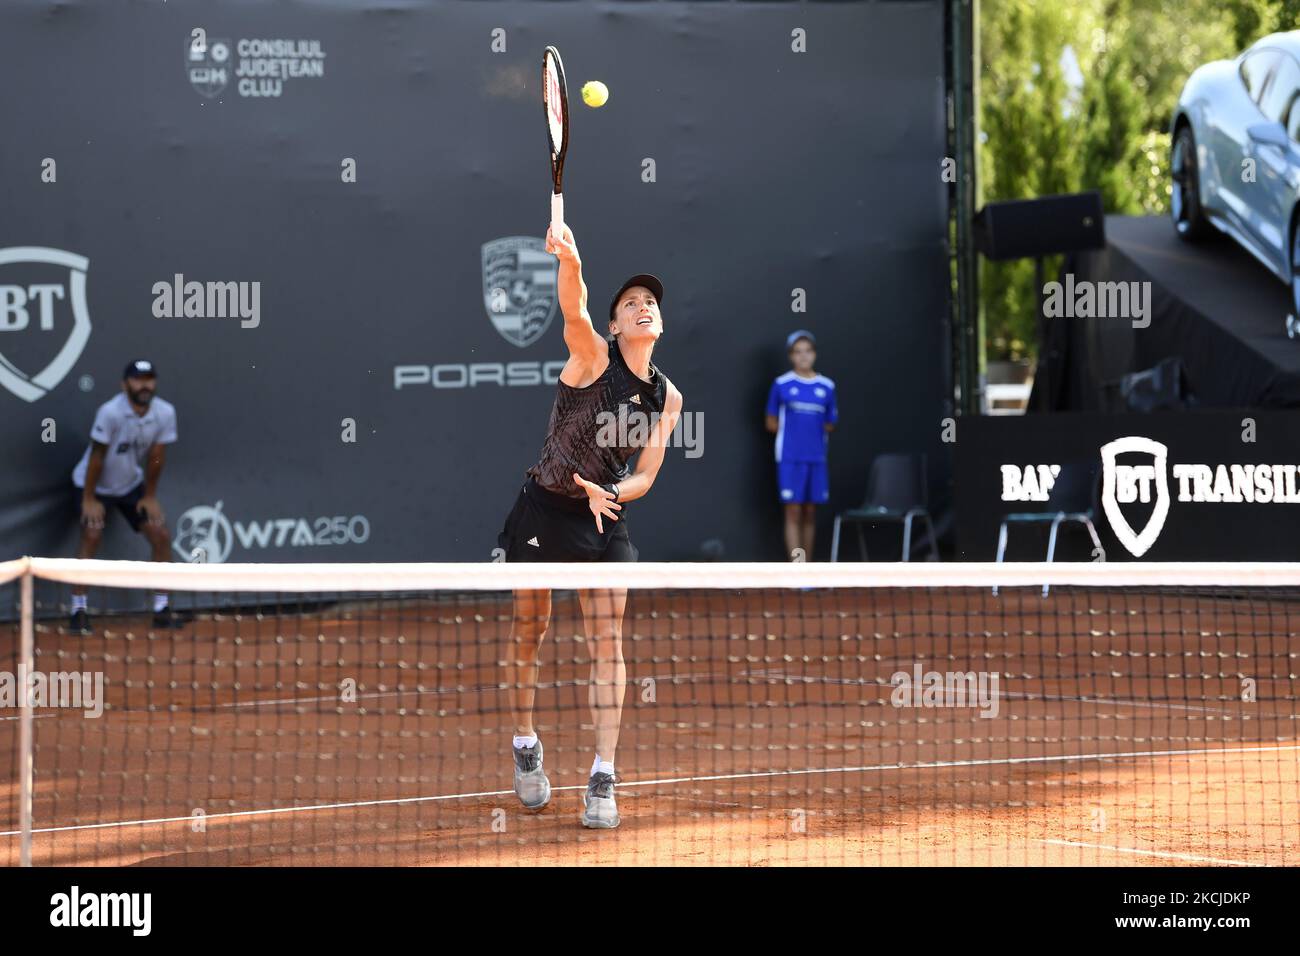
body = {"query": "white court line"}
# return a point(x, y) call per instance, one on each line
point(1118, 702)
point(373, 695)
point(938, 765)
point(690, 678)
point(1009, 694)
point(1164, 854)
point(435, 691)
point(43, 716)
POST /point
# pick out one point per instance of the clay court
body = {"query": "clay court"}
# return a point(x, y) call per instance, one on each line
point(758, 730)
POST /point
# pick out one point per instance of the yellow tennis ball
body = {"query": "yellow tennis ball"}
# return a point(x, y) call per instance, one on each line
point(594, 93)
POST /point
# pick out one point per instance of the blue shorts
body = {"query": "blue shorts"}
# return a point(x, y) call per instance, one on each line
point(803, 481)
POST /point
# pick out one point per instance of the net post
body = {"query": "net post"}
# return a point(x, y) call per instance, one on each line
point(26, 666)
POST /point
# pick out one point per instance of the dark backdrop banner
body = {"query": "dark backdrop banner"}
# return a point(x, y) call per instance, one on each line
point(368, 363)
point(1189, 486)
point(1212, 307)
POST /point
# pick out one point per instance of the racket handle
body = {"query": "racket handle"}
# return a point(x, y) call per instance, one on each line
point(557, 215)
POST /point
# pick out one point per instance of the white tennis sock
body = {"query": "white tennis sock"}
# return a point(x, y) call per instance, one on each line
point(526, 741)
point(601, 766)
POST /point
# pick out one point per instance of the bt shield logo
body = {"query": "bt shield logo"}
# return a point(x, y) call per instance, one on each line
point(44, 321)
point(519, 287)
point(1126, 483)
point(1144, 482)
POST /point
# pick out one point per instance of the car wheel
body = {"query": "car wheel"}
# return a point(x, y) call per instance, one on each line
point(1292, 324)
point(1185, 201)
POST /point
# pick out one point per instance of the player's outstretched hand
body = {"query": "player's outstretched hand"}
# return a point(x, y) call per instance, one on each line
point(565, 249)
point(600, 501)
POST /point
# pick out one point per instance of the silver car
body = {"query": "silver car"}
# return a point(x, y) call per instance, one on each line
point(1236, 155)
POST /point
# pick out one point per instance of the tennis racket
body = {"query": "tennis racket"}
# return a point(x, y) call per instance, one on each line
point(555, 100)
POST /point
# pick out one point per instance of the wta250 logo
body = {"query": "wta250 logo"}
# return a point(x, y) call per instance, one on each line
point(205, 535)
point(44, 321)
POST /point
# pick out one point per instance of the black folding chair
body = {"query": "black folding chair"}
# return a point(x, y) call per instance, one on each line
point(896, 491)
point(1073, 498)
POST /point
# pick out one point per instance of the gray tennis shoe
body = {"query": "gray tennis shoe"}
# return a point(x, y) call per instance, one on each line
point(599, 811)
point(531, 785)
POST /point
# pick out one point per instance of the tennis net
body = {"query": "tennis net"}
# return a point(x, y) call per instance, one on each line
point(11, 717)
point(772, 714)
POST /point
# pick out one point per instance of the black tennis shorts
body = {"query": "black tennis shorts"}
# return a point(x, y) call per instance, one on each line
point(126, 504)
point(544, 526)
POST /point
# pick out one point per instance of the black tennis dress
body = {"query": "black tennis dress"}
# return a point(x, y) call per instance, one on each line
point(593, 431)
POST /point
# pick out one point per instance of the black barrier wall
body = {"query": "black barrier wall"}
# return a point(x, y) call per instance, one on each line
point(413, 302)
point(1193, 486)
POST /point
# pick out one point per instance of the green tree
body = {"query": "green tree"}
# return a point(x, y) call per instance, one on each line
point(1250, 19)
point(1030, 141)
point(1112, 118)
point(1109, 130)
point(1287, 15)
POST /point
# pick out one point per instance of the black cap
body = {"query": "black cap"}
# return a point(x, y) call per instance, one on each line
point(650, 282)
point(139, 369)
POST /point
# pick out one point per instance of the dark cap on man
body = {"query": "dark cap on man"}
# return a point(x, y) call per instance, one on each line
point(140, 368)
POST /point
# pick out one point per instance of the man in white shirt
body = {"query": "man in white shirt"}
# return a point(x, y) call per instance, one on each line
point(119, 470)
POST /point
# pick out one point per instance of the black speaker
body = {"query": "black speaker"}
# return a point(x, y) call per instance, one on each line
point(1163, 388)
point(1028, 228)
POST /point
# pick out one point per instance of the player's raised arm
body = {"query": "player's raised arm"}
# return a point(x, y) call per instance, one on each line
point(586, 347)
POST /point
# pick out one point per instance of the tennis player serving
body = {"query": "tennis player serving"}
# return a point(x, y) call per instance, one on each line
point(570, 508)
